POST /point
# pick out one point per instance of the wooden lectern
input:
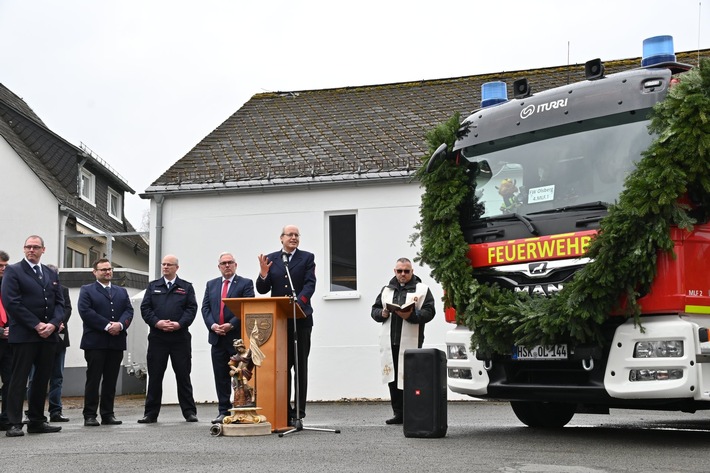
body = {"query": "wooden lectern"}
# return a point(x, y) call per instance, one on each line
point(270, 379)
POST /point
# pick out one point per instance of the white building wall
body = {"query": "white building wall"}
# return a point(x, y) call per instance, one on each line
point(344, 360)
point(28, 208)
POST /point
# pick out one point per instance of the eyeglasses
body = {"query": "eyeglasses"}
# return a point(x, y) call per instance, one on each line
point(33, 247)
point(104, 270)
point(405, 271)
point(168, 264)
point(291, 235)
point(226, 263)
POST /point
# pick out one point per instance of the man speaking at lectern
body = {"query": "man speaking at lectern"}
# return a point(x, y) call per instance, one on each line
point(273, 277)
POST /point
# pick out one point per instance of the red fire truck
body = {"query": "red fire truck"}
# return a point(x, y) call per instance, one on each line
point(546, 167)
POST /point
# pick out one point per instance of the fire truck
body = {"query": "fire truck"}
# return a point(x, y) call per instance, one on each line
point(547, 166)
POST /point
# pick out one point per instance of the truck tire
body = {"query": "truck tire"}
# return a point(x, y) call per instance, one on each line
point(543, 414)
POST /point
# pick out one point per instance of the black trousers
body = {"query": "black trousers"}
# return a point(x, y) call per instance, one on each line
point(304, 349)
point(102, 369)
point(396, 395)
point(222, 381)
point(180, 354)
point(5, 375)
point(40, 354)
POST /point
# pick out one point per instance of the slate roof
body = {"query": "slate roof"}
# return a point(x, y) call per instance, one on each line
point(345, 134)
point(56, 163)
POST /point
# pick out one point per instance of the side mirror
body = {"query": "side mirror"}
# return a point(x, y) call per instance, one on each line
point(440, 154)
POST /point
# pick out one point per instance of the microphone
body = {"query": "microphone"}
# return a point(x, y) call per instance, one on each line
point(284, 258)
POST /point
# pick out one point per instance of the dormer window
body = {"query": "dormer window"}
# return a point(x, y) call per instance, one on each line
point(88, 187)
point(114, 204)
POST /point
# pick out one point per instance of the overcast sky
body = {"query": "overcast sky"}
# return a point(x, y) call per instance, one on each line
point(141, 82)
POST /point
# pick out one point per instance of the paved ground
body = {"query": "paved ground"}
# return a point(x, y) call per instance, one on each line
point(481, 437)
point(175, 445)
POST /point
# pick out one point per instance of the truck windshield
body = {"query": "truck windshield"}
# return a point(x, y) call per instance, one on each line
point(554, 169)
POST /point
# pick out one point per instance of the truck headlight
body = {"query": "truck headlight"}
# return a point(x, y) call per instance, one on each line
point(456, 351)
point(659, 349)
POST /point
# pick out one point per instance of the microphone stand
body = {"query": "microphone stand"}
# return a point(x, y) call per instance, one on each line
point(298, 422)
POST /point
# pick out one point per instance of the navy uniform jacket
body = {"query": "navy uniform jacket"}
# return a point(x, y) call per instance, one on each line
point(240, 287)
point(177, 305)
point(303, 273)
point(29, 301)
point(64, 336)
point(97, 309)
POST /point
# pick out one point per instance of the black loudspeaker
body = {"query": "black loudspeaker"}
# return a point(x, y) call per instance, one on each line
point(593, 69)
point(425, 393)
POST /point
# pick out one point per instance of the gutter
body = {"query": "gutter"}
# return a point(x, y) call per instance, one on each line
point(282, 184)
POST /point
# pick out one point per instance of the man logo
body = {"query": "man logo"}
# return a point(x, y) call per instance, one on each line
point(537, 268)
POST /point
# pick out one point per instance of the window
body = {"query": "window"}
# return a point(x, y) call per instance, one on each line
point(88, 186)
point(74, 259)
point(114, 204)
point(93, 256)
point(343, 261)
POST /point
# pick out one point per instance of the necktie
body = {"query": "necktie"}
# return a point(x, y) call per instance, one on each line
point(3, 315)
point(225, 288)
point(170, 285)
point(38, 270)
point(108, 290)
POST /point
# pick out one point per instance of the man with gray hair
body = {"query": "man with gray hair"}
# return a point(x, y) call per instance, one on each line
point(223, 326)
point(403, 306)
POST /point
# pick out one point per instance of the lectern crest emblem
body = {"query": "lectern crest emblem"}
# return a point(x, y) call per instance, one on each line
point(265, 325)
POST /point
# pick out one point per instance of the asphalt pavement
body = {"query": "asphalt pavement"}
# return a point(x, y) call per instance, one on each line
point(482, 436)
point(364, 443)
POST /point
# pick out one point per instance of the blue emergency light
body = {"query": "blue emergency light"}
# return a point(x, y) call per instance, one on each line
point(493, 93)
point(657, 50)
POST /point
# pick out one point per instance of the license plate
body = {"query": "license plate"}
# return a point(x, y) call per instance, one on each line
point(540, 352)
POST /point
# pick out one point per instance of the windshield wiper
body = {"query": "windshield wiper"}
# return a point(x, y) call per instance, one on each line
point(528, 224)
point(598, 205)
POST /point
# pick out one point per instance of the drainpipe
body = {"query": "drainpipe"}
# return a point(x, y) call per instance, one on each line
point(64, 216)
point(159, 200)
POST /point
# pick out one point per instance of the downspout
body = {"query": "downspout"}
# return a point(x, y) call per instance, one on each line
point(64, 216)
point(157, 257)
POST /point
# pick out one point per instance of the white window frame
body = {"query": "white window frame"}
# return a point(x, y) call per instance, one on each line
point(345, 293)
point(88, 187)
point(112, 194)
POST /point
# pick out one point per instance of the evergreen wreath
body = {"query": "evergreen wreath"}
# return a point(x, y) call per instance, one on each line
point(669, 187)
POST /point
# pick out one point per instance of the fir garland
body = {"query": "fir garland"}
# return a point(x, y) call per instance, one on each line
point(624, 253)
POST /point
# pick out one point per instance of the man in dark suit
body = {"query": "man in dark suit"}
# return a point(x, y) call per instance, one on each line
point(33, 299)
point(5, 349)
point(56, 379)
point(107, 312)
point(169, 307)
point(224, 327)
point(273, 277)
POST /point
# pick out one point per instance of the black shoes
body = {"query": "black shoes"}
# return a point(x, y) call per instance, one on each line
point(110, 420)
point(14, 431)
point(58, 417)
point(91, 422)
point(41, 428)
point(148, 420)
point(396, 420)
point(218, 419)
point(191, 418)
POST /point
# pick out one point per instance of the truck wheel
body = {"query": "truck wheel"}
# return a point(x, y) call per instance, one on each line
point(543, 414)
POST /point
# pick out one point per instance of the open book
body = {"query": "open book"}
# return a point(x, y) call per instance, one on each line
point(404, 308)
